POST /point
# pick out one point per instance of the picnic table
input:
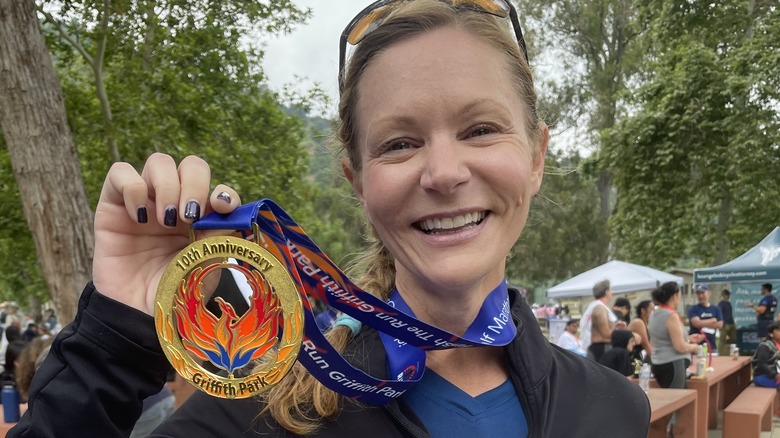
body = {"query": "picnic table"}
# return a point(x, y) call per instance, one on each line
point(717, 388)
point(663, 403)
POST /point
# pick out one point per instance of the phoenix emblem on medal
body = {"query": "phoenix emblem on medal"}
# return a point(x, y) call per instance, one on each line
point(253, 351)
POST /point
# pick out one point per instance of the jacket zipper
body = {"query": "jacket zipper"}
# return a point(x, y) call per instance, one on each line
point(393, 410)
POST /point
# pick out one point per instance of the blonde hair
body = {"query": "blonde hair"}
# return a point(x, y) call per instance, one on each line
point(29, 361)
point(300, 403)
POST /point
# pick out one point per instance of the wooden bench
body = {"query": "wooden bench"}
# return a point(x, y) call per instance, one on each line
point(749, 413)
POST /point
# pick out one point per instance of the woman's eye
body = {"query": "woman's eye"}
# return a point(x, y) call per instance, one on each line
point(481, 130)
point(397, 146)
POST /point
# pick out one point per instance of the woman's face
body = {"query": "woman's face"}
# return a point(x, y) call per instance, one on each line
point(448, 168)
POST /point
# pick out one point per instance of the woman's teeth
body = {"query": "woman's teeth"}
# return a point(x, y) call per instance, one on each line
point(443, 225)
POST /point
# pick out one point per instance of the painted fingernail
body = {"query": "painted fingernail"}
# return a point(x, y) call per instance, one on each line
point(192, 210)
point(143, 216)
point(224, 196)
point(170, 217)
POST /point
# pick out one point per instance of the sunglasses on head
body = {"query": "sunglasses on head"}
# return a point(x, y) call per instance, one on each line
point(370, 18)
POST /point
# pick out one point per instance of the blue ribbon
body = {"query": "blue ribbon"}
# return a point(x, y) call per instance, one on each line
point(405, 337)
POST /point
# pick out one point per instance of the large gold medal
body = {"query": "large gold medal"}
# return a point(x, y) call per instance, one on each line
point(269, 333)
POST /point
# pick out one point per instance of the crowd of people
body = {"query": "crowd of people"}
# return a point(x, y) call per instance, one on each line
point(658, 335)
point(24, 342)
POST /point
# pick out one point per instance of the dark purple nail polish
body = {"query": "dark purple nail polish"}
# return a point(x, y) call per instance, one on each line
point(224, 196)
point(192, 210)
point(143, 216)
point(170, 217)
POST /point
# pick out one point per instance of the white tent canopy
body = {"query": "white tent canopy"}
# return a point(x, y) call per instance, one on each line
point(624, 277)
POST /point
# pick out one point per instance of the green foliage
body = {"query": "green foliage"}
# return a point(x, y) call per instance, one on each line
point(339, 225)
point(183, 78)
point(694, 161)
point(680, 98)
point(594, 43)
point(565, 234)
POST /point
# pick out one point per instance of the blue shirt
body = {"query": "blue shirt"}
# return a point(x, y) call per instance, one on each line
point(770, 304)
point(705, 313)
point(448, 412)
point(726, 311)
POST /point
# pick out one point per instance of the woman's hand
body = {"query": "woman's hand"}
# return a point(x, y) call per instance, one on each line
point(695, 338)
point(142, 221)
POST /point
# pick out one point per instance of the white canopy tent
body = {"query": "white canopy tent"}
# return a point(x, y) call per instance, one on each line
point(624, 277)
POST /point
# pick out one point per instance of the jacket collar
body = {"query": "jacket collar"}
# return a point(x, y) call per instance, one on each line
point(529, 354)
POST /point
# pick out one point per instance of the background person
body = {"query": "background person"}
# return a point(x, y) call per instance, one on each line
point(765, 310)
point(619, 357)
point(671, 353)
point(705, 318)
point(12, 316)
point(638, 325)
point(28, 363)
point(728, 333)
point(598, 321)
point(50, 319)
point(31, 332)
point(622, 309)
point(16, 344)
point(765, 359)
point(568, 340)
point(445, 167)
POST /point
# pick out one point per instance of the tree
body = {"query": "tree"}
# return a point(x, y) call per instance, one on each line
point(565, 234)
point(694, 161)
point(20, 272)
point(43, 156)
point(593, 43)
point(177, 77)
point(181, 78)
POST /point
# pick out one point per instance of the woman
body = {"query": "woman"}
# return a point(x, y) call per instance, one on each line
point(638, 325)
point(444, 152)
point(671, 352)
point(619, 357)
point(765, 371)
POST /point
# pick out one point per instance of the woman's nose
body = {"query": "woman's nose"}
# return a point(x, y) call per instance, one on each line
point(445, 166)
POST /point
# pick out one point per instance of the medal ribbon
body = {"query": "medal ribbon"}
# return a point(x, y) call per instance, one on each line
point(405, 337)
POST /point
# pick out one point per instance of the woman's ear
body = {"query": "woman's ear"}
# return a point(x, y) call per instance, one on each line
point(540, 152)
point(354, 180)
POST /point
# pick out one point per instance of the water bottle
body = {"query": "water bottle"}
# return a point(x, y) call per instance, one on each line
point(701, 367)
point(10, 398)
point(644, 377)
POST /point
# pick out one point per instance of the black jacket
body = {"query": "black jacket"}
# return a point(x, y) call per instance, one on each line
point(108, 360)
point(765, 359)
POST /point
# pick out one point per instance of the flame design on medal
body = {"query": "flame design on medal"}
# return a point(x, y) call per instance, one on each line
point(229, 341)
point(266, 339)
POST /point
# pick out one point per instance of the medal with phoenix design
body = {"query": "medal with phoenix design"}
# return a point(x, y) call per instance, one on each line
point(253, 351)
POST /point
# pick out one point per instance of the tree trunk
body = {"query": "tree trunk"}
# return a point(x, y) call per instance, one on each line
point(43, 156)
point(604, 185)
point(725, 213)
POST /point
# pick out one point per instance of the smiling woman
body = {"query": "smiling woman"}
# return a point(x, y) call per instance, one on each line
point(444, 151)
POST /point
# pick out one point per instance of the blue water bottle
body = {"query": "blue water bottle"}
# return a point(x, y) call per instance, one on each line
point(10, 397)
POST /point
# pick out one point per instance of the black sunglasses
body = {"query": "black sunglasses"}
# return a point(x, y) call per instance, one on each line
point(370, 18)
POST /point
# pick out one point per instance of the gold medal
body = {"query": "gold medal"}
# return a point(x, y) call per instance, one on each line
point(271, 331)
